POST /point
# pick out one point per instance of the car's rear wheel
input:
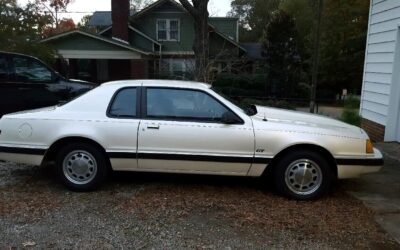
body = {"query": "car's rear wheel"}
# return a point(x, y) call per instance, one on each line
point(303, 175)
point(81, 166)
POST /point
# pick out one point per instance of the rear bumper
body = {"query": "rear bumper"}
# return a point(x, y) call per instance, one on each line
point(24, 155)
point(354, 168)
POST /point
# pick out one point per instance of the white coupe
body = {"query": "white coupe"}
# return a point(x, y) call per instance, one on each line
point(185, 127)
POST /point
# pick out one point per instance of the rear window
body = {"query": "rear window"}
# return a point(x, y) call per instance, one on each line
point(123, 104)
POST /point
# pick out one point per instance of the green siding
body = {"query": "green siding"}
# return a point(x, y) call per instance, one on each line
point(148, 24)
point(135, 39)
point(81, 42)
point(227, 26)
point(220, 47)
point(139, 41)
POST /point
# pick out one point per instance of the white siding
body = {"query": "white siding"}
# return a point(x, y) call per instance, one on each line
point(382, 38)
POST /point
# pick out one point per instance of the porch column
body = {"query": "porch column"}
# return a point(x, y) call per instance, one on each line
point(73, 68)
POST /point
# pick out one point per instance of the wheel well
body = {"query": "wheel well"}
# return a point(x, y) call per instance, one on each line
point(315, 148)
point(56, 146)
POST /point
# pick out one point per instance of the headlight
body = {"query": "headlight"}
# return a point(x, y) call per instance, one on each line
point(369, 147)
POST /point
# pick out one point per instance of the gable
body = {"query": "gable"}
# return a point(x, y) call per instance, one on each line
point(227, 26)
point(167, 7)
point(136, 38)
point(80, 42)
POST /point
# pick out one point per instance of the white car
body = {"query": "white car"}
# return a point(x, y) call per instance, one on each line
point(185, 127)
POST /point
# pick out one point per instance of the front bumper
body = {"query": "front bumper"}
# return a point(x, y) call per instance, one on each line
point(354, 168)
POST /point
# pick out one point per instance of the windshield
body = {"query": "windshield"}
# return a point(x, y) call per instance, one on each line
point(245, 108)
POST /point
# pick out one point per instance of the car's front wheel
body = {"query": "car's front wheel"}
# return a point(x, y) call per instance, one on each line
point(81, 166)
point(303, 175)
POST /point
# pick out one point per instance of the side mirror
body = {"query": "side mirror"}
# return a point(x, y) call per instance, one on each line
point(55, 77)
point(230, 118)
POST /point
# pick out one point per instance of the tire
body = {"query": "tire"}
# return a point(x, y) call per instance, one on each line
point(81, 166)
point(303, 175)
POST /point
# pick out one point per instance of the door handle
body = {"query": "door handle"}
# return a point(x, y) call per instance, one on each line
point(153, 126)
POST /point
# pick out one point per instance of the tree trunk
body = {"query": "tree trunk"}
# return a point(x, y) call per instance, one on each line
point(315, 57)
point(200, 15)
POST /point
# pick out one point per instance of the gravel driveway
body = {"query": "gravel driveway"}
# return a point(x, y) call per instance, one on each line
point(157, 211)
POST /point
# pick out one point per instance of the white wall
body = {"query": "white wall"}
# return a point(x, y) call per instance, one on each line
point(379, 82)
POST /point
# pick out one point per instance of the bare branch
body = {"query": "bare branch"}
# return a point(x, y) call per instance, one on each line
point(189, 7)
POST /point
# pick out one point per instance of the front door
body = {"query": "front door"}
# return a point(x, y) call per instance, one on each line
point(182, 131)
point(120, 132)
point(36, 84)
point(10, 99)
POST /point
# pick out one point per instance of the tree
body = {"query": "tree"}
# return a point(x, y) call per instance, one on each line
point(283, 58)
point(303, 14)
point(64, 25)
point(315, 56)
point(198, 10)
point(21, 27)
point(343, 40)
point(137, 5)
point(253, 16)
point(53, 7)
point(83, 24)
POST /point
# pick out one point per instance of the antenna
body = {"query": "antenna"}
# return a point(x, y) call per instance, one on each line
point(265, 118)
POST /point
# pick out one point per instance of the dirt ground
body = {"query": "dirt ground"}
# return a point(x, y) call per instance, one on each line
point(145, 211)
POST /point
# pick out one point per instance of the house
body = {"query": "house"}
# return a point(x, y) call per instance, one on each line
point(155, 42)
point(380, 97)
point(255, 56)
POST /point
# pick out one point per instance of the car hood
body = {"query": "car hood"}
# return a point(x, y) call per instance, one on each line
point(81, 82)
point(306, 122)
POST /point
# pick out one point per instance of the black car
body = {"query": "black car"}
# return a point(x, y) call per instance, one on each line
point(28, 83)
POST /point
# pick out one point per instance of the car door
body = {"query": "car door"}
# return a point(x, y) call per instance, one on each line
point(37, 85)
point(120, 133)
point(182, 131)
point(10, 99)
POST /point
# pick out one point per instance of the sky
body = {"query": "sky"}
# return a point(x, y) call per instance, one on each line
point(86, 7)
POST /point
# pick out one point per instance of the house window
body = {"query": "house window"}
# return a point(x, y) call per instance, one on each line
point(168, 30)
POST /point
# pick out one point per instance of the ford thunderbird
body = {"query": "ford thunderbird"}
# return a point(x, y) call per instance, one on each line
point(185, 127)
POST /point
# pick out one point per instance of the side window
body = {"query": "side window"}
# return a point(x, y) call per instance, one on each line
point(168, 30)
point(29, 70)
point(162, 29)
point(3, 69)
point(124, 104)
point(183, 105)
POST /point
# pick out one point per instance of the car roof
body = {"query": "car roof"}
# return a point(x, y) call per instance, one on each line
point(158, 83)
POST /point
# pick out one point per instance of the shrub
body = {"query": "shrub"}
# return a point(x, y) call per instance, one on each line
point(350, 113)
point(351, 116)
point(352, 102)
point(241, 85)
point(269, 103)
